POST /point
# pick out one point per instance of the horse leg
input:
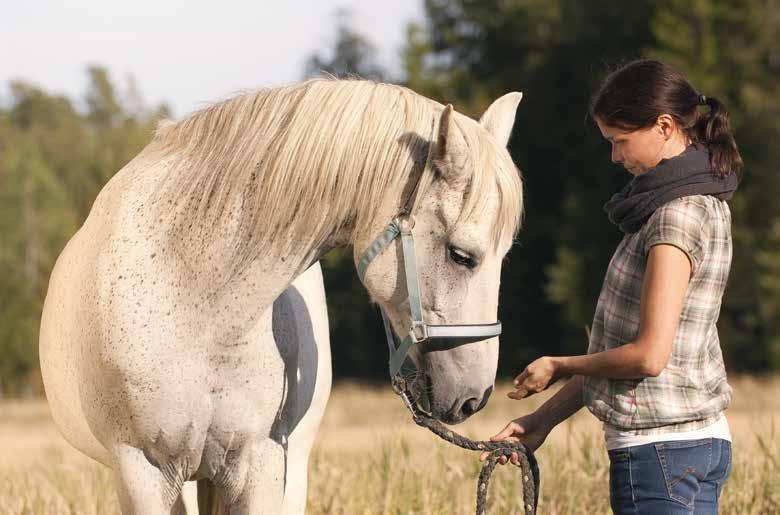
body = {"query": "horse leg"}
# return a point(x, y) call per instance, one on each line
point(142, 487)
point(262, 489)
point(301, 333)
point(301, 440)
point(187, 502)
point(297, 476)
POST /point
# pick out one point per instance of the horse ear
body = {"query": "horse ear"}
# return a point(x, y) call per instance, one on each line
point(499, 118)
point(451, 151)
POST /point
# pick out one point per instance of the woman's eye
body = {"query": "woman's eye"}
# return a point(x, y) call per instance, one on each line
point(462, 258)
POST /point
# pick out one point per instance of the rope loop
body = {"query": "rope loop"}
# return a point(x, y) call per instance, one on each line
point(527, 461)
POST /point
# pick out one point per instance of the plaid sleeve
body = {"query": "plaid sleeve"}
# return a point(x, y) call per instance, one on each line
point(683, 223)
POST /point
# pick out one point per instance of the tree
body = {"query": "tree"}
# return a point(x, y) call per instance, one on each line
point(352, 54)
point(53, 162)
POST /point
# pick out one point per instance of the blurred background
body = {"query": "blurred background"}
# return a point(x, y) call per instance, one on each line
point(83, 83)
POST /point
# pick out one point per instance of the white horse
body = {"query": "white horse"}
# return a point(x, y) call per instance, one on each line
point(184, 335)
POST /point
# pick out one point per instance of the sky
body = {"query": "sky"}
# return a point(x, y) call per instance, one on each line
point(186, 53)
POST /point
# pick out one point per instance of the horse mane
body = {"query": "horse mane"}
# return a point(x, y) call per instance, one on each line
point(299, 162)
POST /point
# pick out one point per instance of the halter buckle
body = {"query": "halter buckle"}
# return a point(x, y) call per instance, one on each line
point(419, 331)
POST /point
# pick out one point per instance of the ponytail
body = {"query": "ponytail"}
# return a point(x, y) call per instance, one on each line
point(713, 130)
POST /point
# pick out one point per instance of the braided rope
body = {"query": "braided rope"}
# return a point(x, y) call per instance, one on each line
point(528, 464)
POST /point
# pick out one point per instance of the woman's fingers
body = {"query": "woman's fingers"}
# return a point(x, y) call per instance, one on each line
point(526, 389)
point(526, 384)
point(514, 458)
point(510, 430)
point(519, 379)
point(522, 392)
point(518, 394)
point(507, 431)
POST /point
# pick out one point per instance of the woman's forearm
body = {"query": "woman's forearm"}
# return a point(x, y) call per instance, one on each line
point(565, 403)
point(629, 361)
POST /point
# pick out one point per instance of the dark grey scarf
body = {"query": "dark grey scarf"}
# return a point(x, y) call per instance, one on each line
point(689, 173)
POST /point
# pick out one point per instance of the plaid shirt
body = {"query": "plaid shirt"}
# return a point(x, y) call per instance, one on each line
point(692, 390)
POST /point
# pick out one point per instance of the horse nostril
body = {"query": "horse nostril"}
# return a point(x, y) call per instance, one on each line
point(471, 406)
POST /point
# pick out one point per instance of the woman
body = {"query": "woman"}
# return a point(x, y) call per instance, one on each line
point(654, 372)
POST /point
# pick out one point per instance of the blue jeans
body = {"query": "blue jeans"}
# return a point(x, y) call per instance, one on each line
point(674, 477)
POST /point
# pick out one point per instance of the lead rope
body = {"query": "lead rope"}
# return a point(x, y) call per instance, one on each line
point(528, 465)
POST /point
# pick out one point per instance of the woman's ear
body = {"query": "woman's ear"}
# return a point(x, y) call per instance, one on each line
point(666, 126)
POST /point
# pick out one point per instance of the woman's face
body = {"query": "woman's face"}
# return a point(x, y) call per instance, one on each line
point(639, 150)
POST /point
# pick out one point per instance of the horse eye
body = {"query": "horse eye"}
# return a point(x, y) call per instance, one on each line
point(461, 258)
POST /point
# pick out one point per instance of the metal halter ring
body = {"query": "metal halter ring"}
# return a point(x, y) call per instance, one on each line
point(405, 222)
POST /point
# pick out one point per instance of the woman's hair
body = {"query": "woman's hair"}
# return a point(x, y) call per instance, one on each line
point(636, 94)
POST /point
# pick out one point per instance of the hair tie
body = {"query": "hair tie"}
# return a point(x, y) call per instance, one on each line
point(702, 100)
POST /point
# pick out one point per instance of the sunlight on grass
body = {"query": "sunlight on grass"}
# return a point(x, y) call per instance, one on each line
point(374, 460)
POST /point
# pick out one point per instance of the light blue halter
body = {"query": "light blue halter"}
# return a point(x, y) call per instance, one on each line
point(420, 331)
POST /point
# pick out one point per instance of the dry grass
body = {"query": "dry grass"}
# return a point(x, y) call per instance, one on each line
point(370, 458)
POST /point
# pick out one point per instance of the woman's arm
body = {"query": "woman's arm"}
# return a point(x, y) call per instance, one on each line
point(563, 404)
point(532, 429)
point(663, 290)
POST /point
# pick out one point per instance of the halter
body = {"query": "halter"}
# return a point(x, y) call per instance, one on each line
point(419, 332)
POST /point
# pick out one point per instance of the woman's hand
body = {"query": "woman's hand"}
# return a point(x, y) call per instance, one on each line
point(535, 378)
point(529, 430)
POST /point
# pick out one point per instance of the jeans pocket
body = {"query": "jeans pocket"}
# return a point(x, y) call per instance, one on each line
point(724, 465)
point(620, 487)
point(684, 464)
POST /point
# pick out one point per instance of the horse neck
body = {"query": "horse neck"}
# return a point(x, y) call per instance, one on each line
point(343, 222)
point(282, 268)
point(264, 278)
point(351, 225)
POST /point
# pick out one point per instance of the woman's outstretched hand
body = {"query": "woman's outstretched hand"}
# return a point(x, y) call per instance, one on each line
point(535, 378)
point(529, 430)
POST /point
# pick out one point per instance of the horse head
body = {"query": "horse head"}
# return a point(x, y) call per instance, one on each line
point(439, 288)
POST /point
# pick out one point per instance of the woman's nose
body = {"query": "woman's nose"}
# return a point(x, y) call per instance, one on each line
point(616, 158)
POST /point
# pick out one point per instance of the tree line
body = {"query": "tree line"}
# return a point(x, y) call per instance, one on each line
point(56, 154)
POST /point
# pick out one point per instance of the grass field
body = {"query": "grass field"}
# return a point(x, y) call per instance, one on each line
point(370, 458)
